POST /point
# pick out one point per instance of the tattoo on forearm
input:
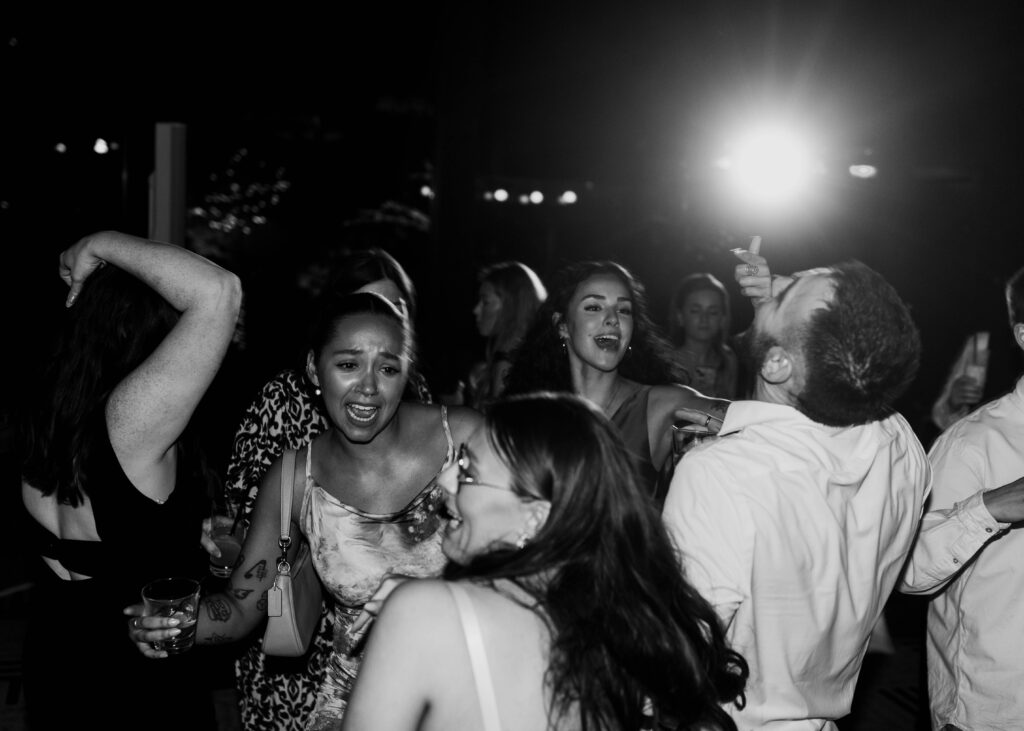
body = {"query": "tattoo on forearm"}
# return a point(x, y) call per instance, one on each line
point(218, 610)
point(240, 594)
point(262, 603)
point(259, 570)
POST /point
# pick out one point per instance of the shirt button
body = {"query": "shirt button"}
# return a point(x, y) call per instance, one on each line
point(988, 530)
point(956, 560)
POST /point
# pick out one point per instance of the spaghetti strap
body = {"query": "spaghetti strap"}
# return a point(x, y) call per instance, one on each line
point(309, 459)
point(477, 657)
point(450, 454)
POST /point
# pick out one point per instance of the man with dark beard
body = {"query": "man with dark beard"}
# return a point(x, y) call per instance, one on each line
point(796, 521)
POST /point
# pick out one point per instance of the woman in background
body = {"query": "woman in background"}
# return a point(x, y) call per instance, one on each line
point(564, 606)
point(594, 337)
point(699, 330)
point(510, 294)
point(114, 481)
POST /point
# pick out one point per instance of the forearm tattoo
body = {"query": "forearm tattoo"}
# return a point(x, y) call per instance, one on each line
point(259, 570)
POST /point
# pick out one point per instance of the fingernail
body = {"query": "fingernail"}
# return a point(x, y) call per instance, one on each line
point(173, 622)
point(70, 301)
point(737, 250)
point(174, 632)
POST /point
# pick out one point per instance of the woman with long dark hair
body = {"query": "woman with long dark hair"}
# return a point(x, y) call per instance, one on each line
point(594, 337)
point(563, 606)
point(114, 480)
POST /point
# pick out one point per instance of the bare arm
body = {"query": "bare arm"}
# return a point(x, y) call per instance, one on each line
point(148, 410)
point(671, 403)
point(231, 615)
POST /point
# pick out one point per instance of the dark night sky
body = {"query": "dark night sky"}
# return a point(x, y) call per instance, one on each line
point(631, 98)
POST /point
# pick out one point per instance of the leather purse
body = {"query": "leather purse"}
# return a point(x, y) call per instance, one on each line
point(295, 599)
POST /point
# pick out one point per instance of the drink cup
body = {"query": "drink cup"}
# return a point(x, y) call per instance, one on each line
point(976, 373)
point(229, 536)
point(176, 597)
point(685, 436)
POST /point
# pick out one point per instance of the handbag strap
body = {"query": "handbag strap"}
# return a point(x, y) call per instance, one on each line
point(287, 483)
point(477, 657)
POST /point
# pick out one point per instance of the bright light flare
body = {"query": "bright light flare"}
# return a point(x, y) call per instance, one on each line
point(770, 166)
point(501, 195)
point(536, 197)
point(568, 198)
point(863, 171)
point(100, 147)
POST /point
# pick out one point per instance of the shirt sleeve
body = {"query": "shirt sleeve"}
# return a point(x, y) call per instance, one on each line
point(713, 532)
point(957, 525)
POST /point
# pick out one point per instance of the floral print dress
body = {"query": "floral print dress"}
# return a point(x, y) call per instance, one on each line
point(353, 552)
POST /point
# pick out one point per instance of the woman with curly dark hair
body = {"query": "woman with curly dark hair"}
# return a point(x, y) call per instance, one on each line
point(563, 606)
point(594, 337)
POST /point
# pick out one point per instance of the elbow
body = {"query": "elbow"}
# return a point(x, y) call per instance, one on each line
point(229, 294)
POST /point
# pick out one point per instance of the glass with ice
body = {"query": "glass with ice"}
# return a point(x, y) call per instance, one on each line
point(176, 597)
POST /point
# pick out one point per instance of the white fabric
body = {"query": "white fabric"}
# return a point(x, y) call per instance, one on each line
point(796, 533)
point(975, 635)
point(477, 657)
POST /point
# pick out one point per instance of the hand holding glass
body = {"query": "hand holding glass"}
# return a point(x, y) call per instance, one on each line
point(176, 597)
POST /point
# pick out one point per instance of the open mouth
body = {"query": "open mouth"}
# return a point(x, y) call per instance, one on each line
point(449, 514)
point(361, 413)
point(607, 342)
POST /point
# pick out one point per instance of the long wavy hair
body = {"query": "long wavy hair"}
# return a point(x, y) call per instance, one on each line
point(540, 363)
point(117, 322)
point(626, 626)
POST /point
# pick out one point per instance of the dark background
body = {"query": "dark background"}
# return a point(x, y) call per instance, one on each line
point(328, 121)
point(354, 111)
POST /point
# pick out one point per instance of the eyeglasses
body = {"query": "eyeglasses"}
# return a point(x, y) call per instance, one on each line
point(464, 478)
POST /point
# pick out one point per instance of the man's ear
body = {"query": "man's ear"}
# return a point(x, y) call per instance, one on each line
point(311, 369)
point(777, 366)
point(1018, 334)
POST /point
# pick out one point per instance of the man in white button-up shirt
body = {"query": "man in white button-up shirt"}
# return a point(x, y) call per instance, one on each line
point(796, 521)
point(969, 552)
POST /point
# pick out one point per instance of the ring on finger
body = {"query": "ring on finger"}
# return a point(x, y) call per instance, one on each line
point(752, 270)
point(707, 421)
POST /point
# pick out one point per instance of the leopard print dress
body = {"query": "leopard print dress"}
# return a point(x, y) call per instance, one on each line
point(277, 693)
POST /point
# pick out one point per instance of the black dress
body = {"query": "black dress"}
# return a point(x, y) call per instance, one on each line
point(80, 668)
